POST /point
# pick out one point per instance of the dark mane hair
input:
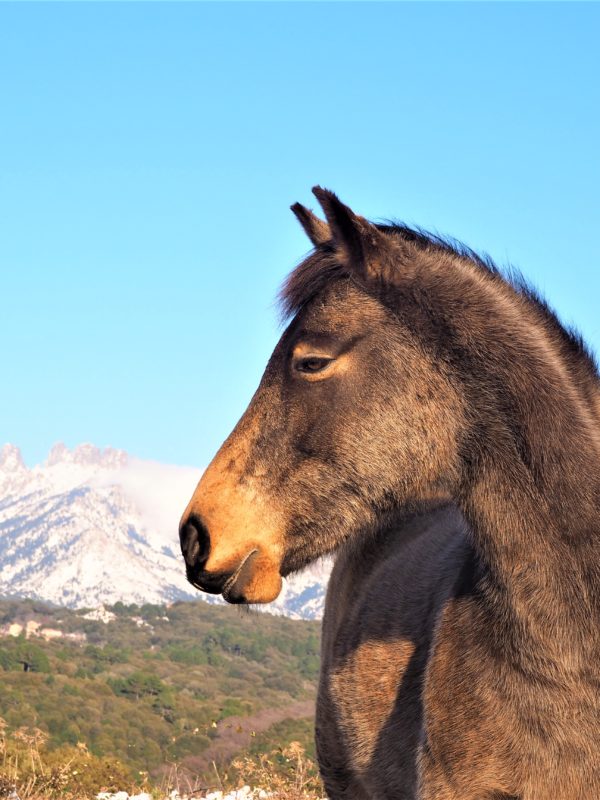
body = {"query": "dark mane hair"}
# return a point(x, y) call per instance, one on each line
point(322, 267)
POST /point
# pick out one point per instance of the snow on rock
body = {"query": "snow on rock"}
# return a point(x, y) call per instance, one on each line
point(244, 793)
point(120, 796)
point(90, 527)
point(11, 460)
point(123, 796)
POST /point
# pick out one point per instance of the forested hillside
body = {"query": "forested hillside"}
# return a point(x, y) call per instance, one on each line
point(156, 686)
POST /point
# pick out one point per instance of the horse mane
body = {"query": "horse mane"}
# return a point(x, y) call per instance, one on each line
point(322, 267)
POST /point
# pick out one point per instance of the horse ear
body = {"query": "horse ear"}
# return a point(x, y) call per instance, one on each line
point(363, 247)
point(316, 230)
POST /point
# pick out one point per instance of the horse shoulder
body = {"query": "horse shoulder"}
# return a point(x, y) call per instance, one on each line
point(467, 719)
point(379, 620)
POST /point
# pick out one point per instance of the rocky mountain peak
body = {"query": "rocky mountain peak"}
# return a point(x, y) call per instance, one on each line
point(11, 459)
point(86, 455)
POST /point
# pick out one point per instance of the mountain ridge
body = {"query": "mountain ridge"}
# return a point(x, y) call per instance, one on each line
point(91, 527)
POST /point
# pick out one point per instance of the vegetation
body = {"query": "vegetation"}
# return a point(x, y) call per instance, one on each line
point(184, 688)
point(287, 772)
point(68, 773)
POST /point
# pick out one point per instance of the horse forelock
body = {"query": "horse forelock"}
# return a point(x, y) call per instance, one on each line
point(309, 279)
point(322, 267)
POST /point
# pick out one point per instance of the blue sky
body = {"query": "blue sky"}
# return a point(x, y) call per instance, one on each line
point(149, 154)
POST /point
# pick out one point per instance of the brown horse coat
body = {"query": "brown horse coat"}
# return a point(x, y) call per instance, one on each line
point(431, 422)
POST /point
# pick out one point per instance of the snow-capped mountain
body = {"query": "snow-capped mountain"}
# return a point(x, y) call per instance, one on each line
point(91, 527)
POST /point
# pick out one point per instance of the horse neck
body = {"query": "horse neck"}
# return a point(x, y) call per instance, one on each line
point(542, 573)
point(531, 485)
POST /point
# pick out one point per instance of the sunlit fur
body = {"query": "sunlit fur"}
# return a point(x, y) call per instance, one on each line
point(449, 454)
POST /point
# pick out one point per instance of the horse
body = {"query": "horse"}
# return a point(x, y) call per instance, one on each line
point(426, 418)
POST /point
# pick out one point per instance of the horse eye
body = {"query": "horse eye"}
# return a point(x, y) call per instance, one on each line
point(312, 364)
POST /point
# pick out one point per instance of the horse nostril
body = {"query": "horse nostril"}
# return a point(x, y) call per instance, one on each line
point(195, 542)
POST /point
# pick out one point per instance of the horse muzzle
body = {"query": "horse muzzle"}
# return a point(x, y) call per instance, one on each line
point(251, 578)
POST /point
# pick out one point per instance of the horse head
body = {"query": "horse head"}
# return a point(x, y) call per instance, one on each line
point(344, 426)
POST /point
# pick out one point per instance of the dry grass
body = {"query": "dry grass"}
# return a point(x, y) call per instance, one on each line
point(30, 771)
point(288, 773)
point(284, 773)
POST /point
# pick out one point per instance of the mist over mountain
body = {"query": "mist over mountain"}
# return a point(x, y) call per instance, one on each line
point(94, 526)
